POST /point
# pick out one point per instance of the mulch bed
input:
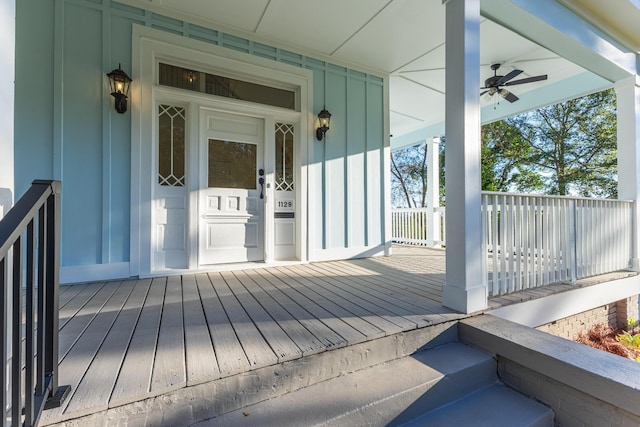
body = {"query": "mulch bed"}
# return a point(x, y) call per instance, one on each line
point(604, 338)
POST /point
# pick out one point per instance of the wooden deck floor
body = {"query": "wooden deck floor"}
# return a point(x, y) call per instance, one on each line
point(124, 341)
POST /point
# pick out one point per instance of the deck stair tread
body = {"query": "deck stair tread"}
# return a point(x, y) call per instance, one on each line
point(393, 393)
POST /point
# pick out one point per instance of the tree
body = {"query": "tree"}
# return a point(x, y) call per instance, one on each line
point(504, 160)
point(409, 176)
point(566, 148)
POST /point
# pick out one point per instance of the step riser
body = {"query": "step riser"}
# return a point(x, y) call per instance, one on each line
point(387, 394)
point(412, 403)
point(215, 398)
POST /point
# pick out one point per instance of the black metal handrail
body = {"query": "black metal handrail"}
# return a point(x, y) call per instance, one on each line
point(30, 240)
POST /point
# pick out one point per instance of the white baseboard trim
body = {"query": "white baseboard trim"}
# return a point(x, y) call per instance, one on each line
point(347, 253)
point(94, 272)
point(559, 306)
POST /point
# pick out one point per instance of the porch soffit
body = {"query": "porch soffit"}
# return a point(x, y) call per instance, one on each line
point(401, 38)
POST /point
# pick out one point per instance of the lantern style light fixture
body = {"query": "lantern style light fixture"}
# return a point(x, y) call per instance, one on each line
point(119, 82)
point(324, 117)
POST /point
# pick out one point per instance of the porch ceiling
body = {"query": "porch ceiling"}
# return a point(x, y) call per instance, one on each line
point(404, 38)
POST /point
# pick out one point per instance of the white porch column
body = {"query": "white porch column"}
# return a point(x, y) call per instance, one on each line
point(463, 290)
point(628, 108)
point(7, 77)
point(433, 190)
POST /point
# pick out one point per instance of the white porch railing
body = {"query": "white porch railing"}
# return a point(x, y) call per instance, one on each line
point(533, 241)
point(418, 226)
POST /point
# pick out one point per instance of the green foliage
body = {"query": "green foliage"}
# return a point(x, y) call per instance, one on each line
point(504, 160)
point(629, 340)
point(566, 148)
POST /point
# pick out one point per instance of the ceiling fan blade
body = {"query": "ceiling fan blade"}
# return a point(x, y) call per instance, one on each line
point(527, 80)
point(508, 95)
point(508, 77)
point(482, 93)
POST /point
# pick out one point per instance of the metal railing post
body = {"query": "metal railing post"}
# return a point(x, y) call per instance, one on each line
point(57, 394)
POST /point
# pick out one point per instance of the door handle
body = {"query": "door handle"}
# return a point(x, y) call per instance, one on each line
point(261, 182)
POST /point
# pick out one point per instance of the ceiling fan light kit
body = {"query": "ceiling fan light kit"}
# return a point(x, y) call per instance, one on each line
point(495, 83)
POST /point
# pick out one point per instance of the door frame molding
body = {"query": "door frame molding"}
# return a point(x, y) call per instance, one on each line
point(149, 46)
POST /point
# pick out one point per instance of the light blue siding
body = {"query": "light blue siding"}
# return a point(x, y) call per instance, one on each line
point(66, 126)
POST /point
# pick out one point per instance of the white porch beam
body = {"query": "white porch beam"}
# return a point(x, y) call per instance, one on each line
point(558, 29)
point(463, 290)
point(628, 110)
point(7, 78)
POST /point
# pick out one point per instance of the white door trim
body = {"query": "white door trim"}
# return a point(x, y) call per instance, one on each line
point(150, 45)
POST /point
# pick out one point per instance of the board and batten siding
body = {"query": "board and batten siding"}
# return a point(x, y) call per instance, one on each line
point(66, 128)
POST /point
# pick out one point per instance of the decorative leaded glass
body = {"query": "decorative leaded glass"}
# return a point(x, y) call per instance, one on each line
point(198, 81)
point(284, 157)
point(171, 145)
point(232, 164)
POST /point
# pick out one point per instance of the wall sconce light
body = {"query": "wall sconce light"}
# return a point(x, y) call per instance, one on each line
point(324, 117)
point(119, 82)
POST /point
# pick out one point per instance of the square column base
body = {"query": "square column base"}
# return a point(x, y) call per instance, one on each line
point(464, 300)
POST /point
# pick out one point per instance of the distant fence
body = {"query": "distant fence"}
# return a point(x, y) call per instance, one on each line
point(533, 241)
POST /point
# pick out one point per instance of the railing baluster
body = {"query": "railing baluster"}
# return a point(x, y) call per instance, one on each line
point(4, 304)
point(16, 333)
point(42, 254)
point(535, 240)
point(29, 330)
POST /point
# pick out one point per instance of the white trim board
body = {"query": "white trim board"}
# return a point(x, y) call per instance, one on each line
point(559, 306)
point(334, 254)
point(94, 272)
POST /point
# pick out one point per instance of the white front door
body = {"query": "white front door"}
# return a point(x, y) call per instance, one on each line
point(230, 201)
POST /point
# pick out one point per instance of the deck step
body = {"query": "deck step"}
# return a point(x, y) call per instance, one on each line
point(494, 406)
point(393, 393)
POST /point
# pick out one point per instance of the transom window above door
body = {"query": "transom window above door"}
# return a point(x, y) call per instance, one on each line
point(212, 84)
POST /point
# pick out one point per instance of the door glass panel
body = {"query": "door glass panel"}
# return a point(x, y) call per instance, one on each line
point(284, 157)
point(232, 164)
point(171, 132)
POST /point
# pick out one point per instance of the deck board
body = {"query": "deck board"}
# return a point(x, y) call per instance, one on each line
point(305, 342)
point(94, 391)
point(201, 363)
point(365, 305)
point(258, 352)
point(76, 325)
point(274, 335)
point(364, 322)
point(169, 363)
point(124, 341)
point(230, 355)
point(299, 309)
point(397, 291)
point(350, 279)
point(77, 360)
point(343, 332)
point(135, 374)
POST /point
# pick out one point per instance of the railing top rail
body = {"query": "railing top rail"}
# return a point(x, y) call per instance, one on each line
point(24, 211)
point(547, 196)
point(416, 209)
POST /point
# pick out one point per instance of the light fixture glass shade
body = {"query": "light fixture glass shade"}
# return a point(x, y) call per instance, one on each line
point(119, 83)
point(324, 119)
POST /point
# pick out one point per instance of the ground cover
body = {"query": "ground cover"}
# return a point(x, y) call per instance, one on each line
point(616, 341)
